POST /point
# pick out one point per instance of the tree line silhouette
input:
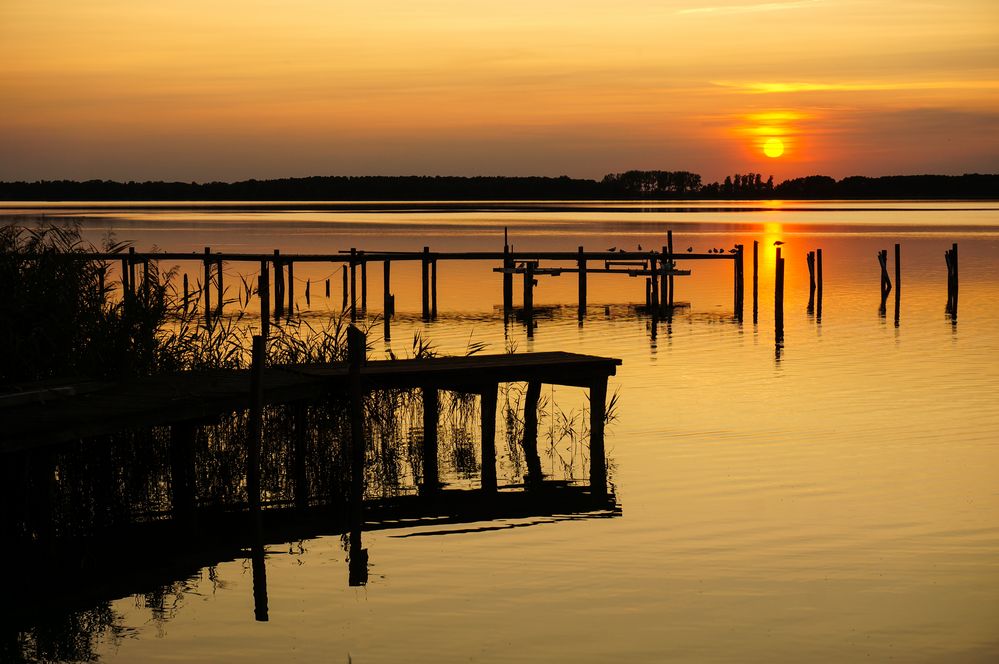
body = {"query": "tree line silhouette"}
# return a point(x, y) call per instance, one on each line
point(633, 184)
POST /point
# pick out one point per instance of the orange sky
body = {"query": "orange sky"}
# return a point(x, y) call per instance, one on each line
point(229, 90)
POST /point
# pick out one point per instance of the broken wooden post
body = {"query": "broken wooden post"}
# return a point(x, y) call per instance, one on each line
point(327, 289)
point(353, 285)
point(898, 281)
point(598, 460)
point(253, 439)
point(818, 285)
point(356, 351)
point(207, 290)
point(187, 293)
point(756, 280)
point(779, 300)
point(488, 422)
point(425, 264)
point(530, 441)
point(291, 288)
point(740, 281)
point(308, 292)
point(431, 481)
point(581, 266)
point(810, 260)
point(298, 469)
point(183, 490)
point(263, 291)
point(885, 281)
point(529, 297)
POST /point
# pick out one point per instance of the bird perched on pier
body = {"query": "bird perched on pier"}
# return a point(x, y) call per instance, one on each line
point(621, 251)
point(689, 249)
point(778, 243)
point(639, 247)
point(733, 250)
point(612, 249)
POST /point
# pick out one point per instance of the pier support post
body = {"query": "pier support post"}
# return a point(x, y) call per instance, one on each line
point(433, 288)
point(207, 290)
point(364, 284)
point(671, 264)
point(507, 279)
point(346, 288)
point(253, 439)
point(187, 293)
point(221, 287)
point(653, 299)
point(263, 292)
point(259, 573)
point(530, 442)
point(581, 265)
point(663, 283)
point(291, 288)
point(779, 302)
point(278, 285)
point(183, 490)
point(353, 285)
point(131, 272)
point(431, 478)
point(810, 260)
point(356, 350)
point(425, 263)
point(387, 298)
point(301, 423)
point(898, 281)
point(598, 459)
point(529, 297)
point(740, 282)
point(488, 417)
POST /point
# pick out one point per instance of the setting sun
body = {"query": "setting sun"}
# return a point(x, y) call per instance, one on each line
point(773, 148)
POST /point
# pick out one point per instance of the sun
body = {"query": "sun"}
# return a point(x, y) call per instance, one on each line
point(773, 147)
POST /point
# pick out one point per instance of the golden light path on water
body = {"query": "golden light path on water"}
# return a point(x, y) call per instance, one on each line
point(830, 502)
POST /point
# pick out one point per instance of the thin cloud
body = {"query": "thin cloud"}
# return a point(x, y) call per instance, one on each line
point(785, 87)
point(749, 9)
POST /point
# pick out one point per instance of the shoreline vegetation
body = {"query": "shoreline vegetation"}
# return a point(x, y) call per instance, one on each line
point(630, 185)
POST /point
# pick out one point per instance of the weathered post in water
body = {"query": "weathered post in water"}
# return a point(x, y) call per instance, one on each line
point(530, 441)
point(258, 568)
point(356, 350)
point(353, 285)
point(346, 288)
point(207, 290)
point(364, 284)
point(529, 296)
point(431, 481)
point(898, 281)
point(740, 282)
point(387, 298)
point(581, 266)
point(779, 301)
point(488, 417)
point(756, 281)
point(255, 424)
point(810, 259)
point(507, 277)
point(291, 288)
point(663, 283)
point(278, 285)
point(187, 293)
point(598, 460)
point(263, 291)
point(818, 286)
point(425, 263)
point(221, 287)
point(433, 288)
point(671, 264)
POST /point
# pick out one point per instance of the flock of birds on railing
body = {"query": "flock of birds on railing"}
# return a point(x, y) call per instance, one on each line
point(733, 250)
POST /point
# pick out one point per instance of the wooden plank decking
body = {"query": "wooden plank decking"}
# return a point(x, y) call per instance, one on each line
point(192, 396)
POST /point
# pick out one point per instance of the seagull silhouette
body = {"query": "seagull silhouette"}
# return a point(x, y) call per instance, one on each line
point(733, 251)
point(639, 247)
point(778, 243)
point(612, 249)
point(689, 249)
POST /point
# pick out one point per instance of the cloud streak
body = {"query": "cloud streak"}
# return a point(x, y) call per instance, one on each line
point(855, 86)
point(752, 9)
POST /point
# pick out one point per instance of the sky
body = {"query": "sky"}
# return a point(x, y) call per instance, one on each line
point(218, 90)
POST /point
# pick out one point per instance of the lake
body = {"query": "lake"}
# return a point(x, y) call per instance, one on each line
point(830, 500)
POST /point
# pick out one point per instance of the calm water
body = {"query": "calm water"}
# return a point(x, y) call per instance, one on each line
point(831, 502)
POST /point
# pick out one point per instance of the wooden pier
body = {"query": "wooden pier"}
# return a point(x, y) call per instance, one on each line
point(41, 419)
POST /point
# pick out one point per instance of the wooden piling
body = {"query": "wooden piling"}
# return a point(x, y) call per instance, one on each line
point(253, 439)
point(207, 290)
point(530, 440)
point(652, 301)
point(353, 285)
point(278, 285)
point(298, 469)
point(221, 287)
point(669, 256)
point(648, 293)
point(488, 418)
point(528, 291)
point(263, 291)
point(779, 300)
point(356, 351)
point(291, 288)
point(431, 481)
point(433, 288)
point(387, 298)
point(740, 281)
point(810, 260)
point(898, 282)
point(364, 283)
point(187, 293)
point(183, 490)
point(598, 459)
point(663, 282)
point(131, 271)
point(346, 288)
point(258, 570)
point(508, 278)
point(308, 292)
point(581, 266)
point(756, 280)
point(818, 285)
point(327, 289)
point(425, 274)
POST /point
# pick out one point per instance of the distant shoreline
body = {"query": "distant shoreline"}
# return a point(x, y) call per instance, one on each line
point(654, 187)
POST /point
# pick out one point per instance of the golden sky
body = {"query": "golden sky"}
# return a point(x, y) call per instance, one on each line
point(209, 89)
